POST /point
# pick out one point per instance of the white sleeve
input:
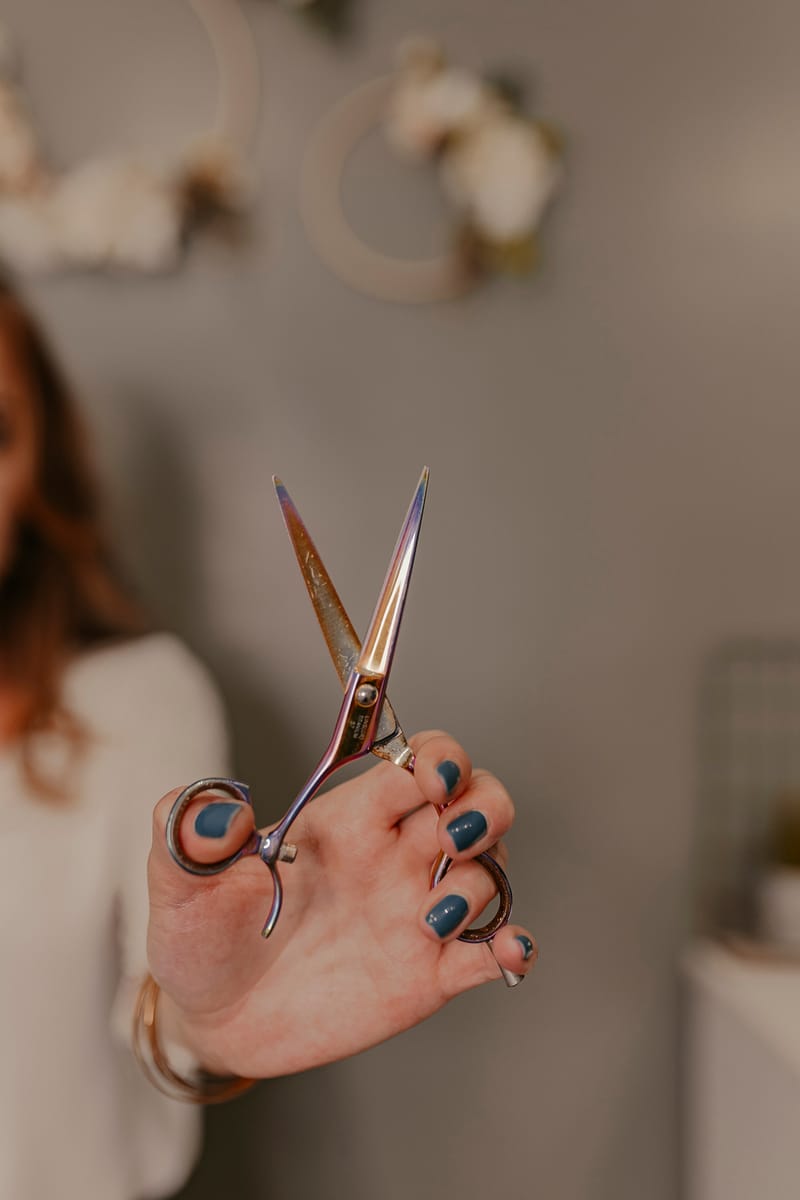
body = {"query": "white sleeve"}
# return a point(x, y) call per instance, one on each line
point(178, 735)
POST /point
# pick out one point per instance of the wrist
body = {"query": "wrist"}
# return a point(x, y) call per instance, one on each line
point(186, 1040)
point(163, 1035)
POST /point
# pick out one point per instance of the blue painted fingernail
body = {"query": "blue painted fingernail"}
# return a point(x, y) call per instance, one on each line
point(215, 820)
point(450, 774)
point(527, 946)
point(467, 829)
point(447, 915)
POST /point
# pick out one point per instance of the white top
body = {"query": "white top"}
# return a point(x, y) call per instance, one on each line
point(77, 1119)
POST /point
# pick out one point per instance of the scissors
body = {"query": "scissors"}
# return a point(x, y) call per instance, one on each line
point(366, 723)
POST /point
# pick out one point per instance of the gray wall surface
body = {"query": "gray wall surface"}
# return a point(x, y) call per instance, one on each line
point(614, 448)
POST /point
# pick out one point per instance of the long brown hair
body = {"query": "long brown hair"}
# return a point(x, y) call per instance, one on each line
point(61, 591)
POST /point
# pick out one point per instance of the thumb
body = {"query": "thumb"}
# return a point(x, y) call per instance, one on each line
point(201, 926)
point(208, 824)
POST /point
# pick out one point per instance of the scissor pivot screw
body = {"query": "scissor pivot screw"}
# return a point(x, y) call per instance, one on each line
point(284, 852)
point(367, 694)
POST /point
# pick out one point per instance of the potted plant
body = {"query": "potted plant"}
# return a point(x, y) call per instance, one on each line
point(779, 891)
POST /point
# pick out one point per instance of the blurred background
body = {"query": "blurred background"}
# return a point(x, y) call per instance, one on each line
point(614, 446)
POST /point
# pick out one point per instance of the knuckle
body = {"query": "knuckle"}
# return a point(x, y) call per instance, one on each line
point(497, 795)
point(423, 740)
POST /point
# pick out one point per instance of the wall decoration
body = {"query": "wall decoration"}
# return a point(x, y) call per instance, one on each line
point(498, 167)
point(334, 17)
point(122, 210)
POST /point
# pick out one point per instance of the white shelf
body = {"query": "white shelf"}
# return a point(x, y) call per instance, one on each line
point(764, 995)
point(742, 1076)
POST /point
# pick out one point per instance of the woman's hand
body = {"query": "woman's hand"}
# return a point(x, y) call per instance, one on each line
point(363, 949)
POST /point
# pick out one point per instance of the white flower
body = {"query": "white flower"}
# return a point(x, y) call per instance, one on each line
point(28, 234)
point(19, 155)
point(117, 212)
point(429, 103)
point(112, 213)
point(502, 174)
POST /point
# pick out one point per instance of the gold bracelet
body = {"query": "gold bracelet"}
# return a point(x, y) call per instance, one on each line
point(208, 1089)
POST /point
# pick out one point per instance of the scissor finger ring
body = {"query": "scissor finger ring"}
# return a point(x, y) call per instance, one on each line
point(484, 933)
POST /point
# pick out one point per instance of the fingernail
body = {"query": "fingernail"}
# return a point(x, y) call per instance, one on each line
point(527, 946)
point(215, 820)
point(450, 774)
point(447, 915)
point(467, 829)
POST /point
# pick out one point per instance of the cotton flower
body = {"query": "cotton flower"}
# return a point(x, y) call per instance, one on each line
point(19, 155)
point(117, 212)
point(430, 103)
point(502, 175)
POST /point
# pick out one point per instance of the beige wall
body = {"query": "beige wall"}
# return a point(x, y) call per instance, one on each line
point(614, 450)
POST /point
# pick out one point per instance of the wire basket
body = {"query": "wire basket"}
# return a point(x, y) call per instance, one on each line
point(749, 759)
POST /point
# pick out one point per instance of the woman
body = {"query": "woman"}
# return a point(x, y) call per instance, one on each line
point(97, 718)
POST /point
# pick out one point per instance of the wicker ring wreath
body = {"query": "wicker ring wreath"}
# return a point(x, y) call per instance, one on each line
point(498, 168)
point(361, 266)
point(121, 211)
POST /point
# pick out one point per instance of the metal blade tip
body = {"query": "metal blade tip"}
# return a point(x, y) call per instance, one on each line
point(280, 491)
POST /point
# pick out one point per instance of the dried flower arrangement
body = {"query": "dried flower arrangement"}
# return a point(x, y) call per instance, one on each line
point(119, 210)
point(498, 168)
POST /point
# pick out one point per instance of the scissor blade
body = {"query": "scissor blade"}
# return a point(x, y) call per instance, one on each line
point(378, 647)
point(341, 638)
point(337, 629)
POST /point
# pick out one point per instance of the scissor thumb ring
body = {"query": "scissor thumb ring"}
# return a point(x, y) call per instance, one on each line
point(264, 845)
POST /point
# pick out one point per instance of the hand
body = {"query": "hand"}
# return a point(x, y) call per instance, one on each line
point(362, 950)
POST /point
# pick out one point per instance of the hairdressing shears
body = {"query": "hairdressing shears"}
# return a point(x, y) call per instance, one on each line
point(366, 722)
